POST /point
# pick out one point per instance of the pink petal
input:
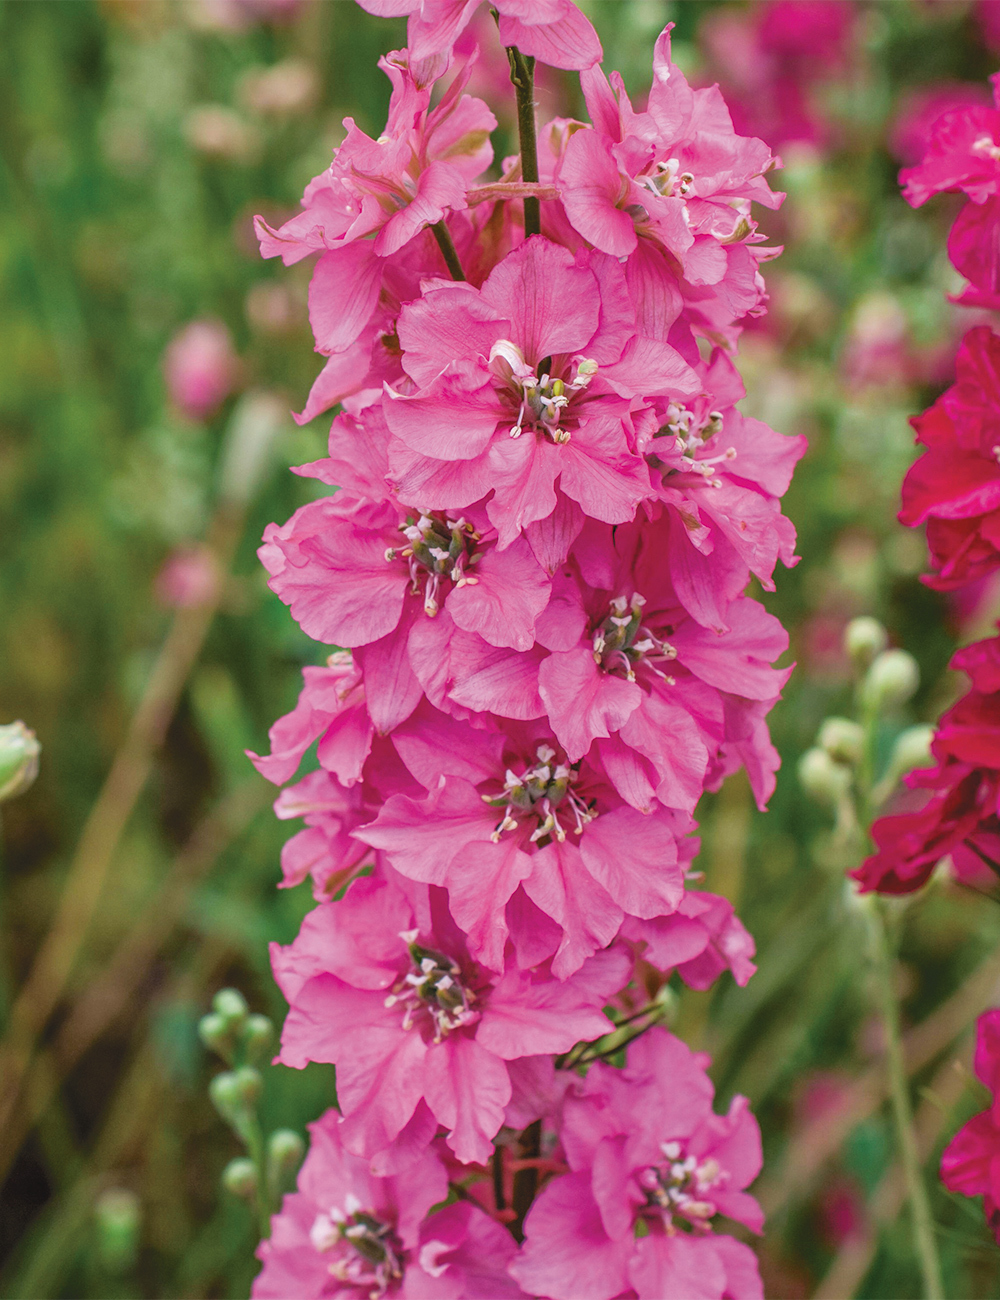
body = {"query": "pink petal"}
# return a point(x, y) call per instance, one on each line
point(677, 1266)
point(507, 593)
point(467, 1088)
point(569, 42)
point(444, 421)
point(592, 188)
point(582, 701)
point(565, 890)
point(567, 1255)
point(635, 858)
point(440, 189)
point(343, 294)
point(550, 300)
point(392, 691)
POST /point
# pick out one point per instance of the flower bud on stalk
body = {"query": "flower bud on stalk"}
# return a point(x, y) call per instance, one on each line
point(118, 1220)
point(864, 638)
point(19, 751)
point(890, 681)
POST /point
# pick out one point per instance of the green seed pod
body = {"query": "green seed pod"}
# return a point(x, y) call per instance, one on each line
point(842, 739)
point(822, 778)
point(231, 1005)
point(240, 1178)
point(864, 638)
point(19, 751)
point(118, 1220)
point(912, 749)
point(891, 680)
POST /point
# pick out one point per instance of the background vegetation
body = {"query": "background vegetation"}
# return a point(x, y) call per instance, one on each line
point(139, 138)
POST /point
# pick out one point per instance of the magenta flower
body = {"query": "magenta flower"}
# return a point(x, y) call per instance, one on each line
point(522, 815)
point(960, 816)
point(392, 187)
point(651, 1166)
point(383, 984)
point(676, 175)
point(552, 31)
point(347, 1234)
point(700, 940)
point(531, 380)
point(970, 1163)
point(963, 154)
point(954, 487)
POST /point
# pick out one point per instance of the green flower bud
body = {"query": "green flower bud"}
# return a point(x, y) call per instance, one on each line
point(257, 1037)
point(19, 752)
point(822, 778)
point(250, 1083)
point(285, 1150)
point(240, 1177)
point(842, 739)
point(912, 749)
point(216, 1035)
point(891, 680)
point(864, 638)
point(118, 1219)
point(231, 1005)
point(226, 1094)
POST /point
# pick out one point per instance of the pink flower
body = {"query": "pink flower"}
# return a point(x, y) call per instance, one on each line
point(200, 368)
point(676, 175)
point(954, 487)
point(393, 187)
point(347, 1234)
point(912, 127)
point(970, 1163)
point(700, 940)
point(508, 810)
point(530, 381)
point(963, 154)
point(960, 817)
point(383, 984)
point(189, 578)
point(553, 31)
point(651, 1165)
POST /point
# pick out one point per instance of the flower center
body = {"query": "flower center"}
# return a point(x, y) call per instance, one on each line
point(537, 793)
point(622, 640)
point(369, 1254)
point(678, 1192)
point(986, 147)
point(437, 549)
point(434, 986)
point(540, 398)
point(668, 180)
point(690, 433)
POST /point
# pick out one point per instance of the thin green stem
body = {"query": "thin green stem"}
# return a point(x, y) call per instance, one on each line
point(522, 75)
point(916, 1189)
point(448, 251)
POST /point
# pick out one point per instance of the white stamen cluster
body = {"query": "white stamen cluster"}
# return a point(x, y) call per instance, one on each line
point(690, 435)
point(543, 397)
point(434, 987)
point(369, 1257)
point(986, 147)
point(438, 548)
point(681, 1189)
point(538, 792)
point(622, 640)
point(668, 181)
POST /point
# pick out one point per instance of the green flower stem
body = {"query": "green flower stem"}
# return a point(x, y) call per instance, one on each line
point(916, 1189)
point(448, 251)
point(253, 1137)
point(522, 75)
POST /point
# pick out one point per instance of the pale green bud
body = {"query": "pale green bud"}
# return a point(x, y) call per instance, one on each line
point(240, 1177)
point(285, 1150)
point(822, 777)
point(864, 638)
point(216, 1034)
point(19, 750)
point(257, 1036)
point(891, 680)
point(250, 1083)
point(118, 1219)
point(912, 749)
point(231, 1006)
point(842, 739)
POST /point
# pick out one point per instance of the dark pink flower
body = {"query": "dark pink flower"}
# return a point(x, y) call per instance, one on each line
point(651, 1166)
point(552, 31)
point(912, 126)
point(954, 487)
point(960, 814)
point(383, 984)
point(963, 154)
point(970, 1163)
point(347, 1234)
point(700, 940)
point(201, 368)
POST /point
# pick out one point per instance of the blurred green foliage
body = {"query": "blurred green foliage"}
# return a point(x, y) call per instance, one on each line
point(137, 145)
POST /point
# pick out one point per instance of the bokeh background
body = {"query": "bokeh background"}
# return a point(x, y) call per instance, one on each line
point(140, 459)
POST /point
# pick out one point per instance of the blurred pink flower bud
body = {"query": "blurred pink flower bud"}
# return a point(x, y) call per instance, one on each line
point(188, 578)
point(287, 87)
point(910, 130)
point(201, 368)
point(219, 132)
